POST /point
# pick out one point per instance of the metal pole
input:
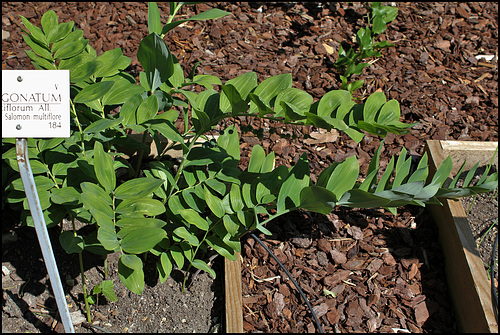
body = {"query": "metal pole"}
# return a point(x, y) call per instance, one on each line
point(41, 231)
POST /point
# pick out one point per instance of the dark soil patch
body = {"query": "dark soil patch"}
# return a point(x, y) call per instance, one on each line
point(483, 218)
point(28, 304)
point(386, 271)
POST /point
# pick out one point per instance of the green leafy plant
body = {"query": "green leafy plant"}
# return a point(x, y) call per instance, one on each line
point(351, 60)
point(181, 213)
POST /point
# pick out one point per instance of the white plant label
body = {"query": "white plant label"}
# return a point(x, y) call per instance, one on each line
point(35, 103)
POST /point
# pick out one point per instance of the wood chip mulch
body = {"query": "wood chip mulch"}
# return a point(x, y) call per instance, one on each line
point(362, 270)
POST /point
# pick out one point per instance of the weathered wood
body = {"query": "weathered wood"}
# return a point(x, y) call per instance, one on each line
point(471, 152)
point(467, 280)
point(234, 303)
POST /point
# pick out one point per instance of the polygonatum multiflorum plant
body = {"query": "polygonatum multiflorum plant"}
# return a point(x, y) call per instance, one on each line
point(180, 212)
point(350, 60)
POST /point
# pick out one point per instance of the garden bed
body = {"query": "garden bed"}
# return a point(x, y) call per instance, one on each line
point(435, 72)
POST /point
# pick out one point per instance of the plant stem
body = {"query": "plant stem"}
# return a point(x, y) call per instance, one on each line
point(194, 256)
point(486, 233)
point(79, 126)
point(84, 288)
point(181, 166)
point(140, 154)
point(176, 9)
point(472, 203)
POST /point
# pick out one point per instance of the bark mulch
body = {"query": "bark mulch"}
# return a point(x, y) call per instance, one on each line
point(362, 270)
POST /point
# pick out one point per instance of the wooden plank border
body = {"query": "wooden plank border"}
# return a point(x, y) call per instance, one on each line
point(233, 295)
point(467, 280)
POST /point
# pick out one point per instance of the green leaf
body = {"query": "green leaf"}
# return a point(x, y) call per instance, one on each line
point(95, 200)
point(256, 159)
point(457, 176)
point(65, 195)
point(120, 93)
point(168, 130)
point(343, 177)
point(270, 88)
point(385, 177)
point(177, 79)
point(154, 21)
point(364, 39)
point(422, 170)
point(71, 49)
point(49, 22)
point(317, 199)
point(38, 167)
point(470, 175)
point(268, 164)
point(243, 85)
point(60, 32)
point(210, 14)
point(372, 105)
point(132, 279)
point(129, 108)
point(103, 166)
point(43, 196)
point(137, 188)
point(164, 266)
point(93, 245)
point(402, 169)
point(138, 241)
point(131, 261)
point(41, 62)
point(192, 217)
point(183, 233)
point(293, 185)
point(106, 234)
point(143, 223)
point(361, 199)
point(220, 247)
point(96, 190)
point(111, 62)
point(155, 58)
point(147, 109)
point(93, 92)
point(83, 71)
point(260, 105)
point(231, 224)
point(38, 49)
point(36, 32)
point(74, 36)
point(139, 207)
point(207, 80)
point(389, 113)
point(101, 125)
point(235, 197)
point(331, 101)
point(299, 100)
point(107, 289)
point(71, 244)
point(230, 142)
point(178, 256)
point(214, 203)
point(199, 264)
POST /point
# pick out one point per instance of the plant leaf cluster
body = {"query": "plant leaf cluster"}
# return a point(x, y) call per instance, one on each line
point(351, 59)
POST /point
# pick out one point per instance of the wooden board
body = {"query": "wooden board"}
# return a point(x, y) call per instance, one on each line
point(234, 302)
point(467, 280)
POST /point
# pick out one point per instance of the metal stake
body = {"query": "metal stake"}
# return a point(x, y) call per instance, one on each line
point(41, 231)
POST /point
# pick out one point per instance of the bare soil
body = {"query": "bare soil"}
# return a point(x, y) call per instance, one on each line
point(385, 272)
